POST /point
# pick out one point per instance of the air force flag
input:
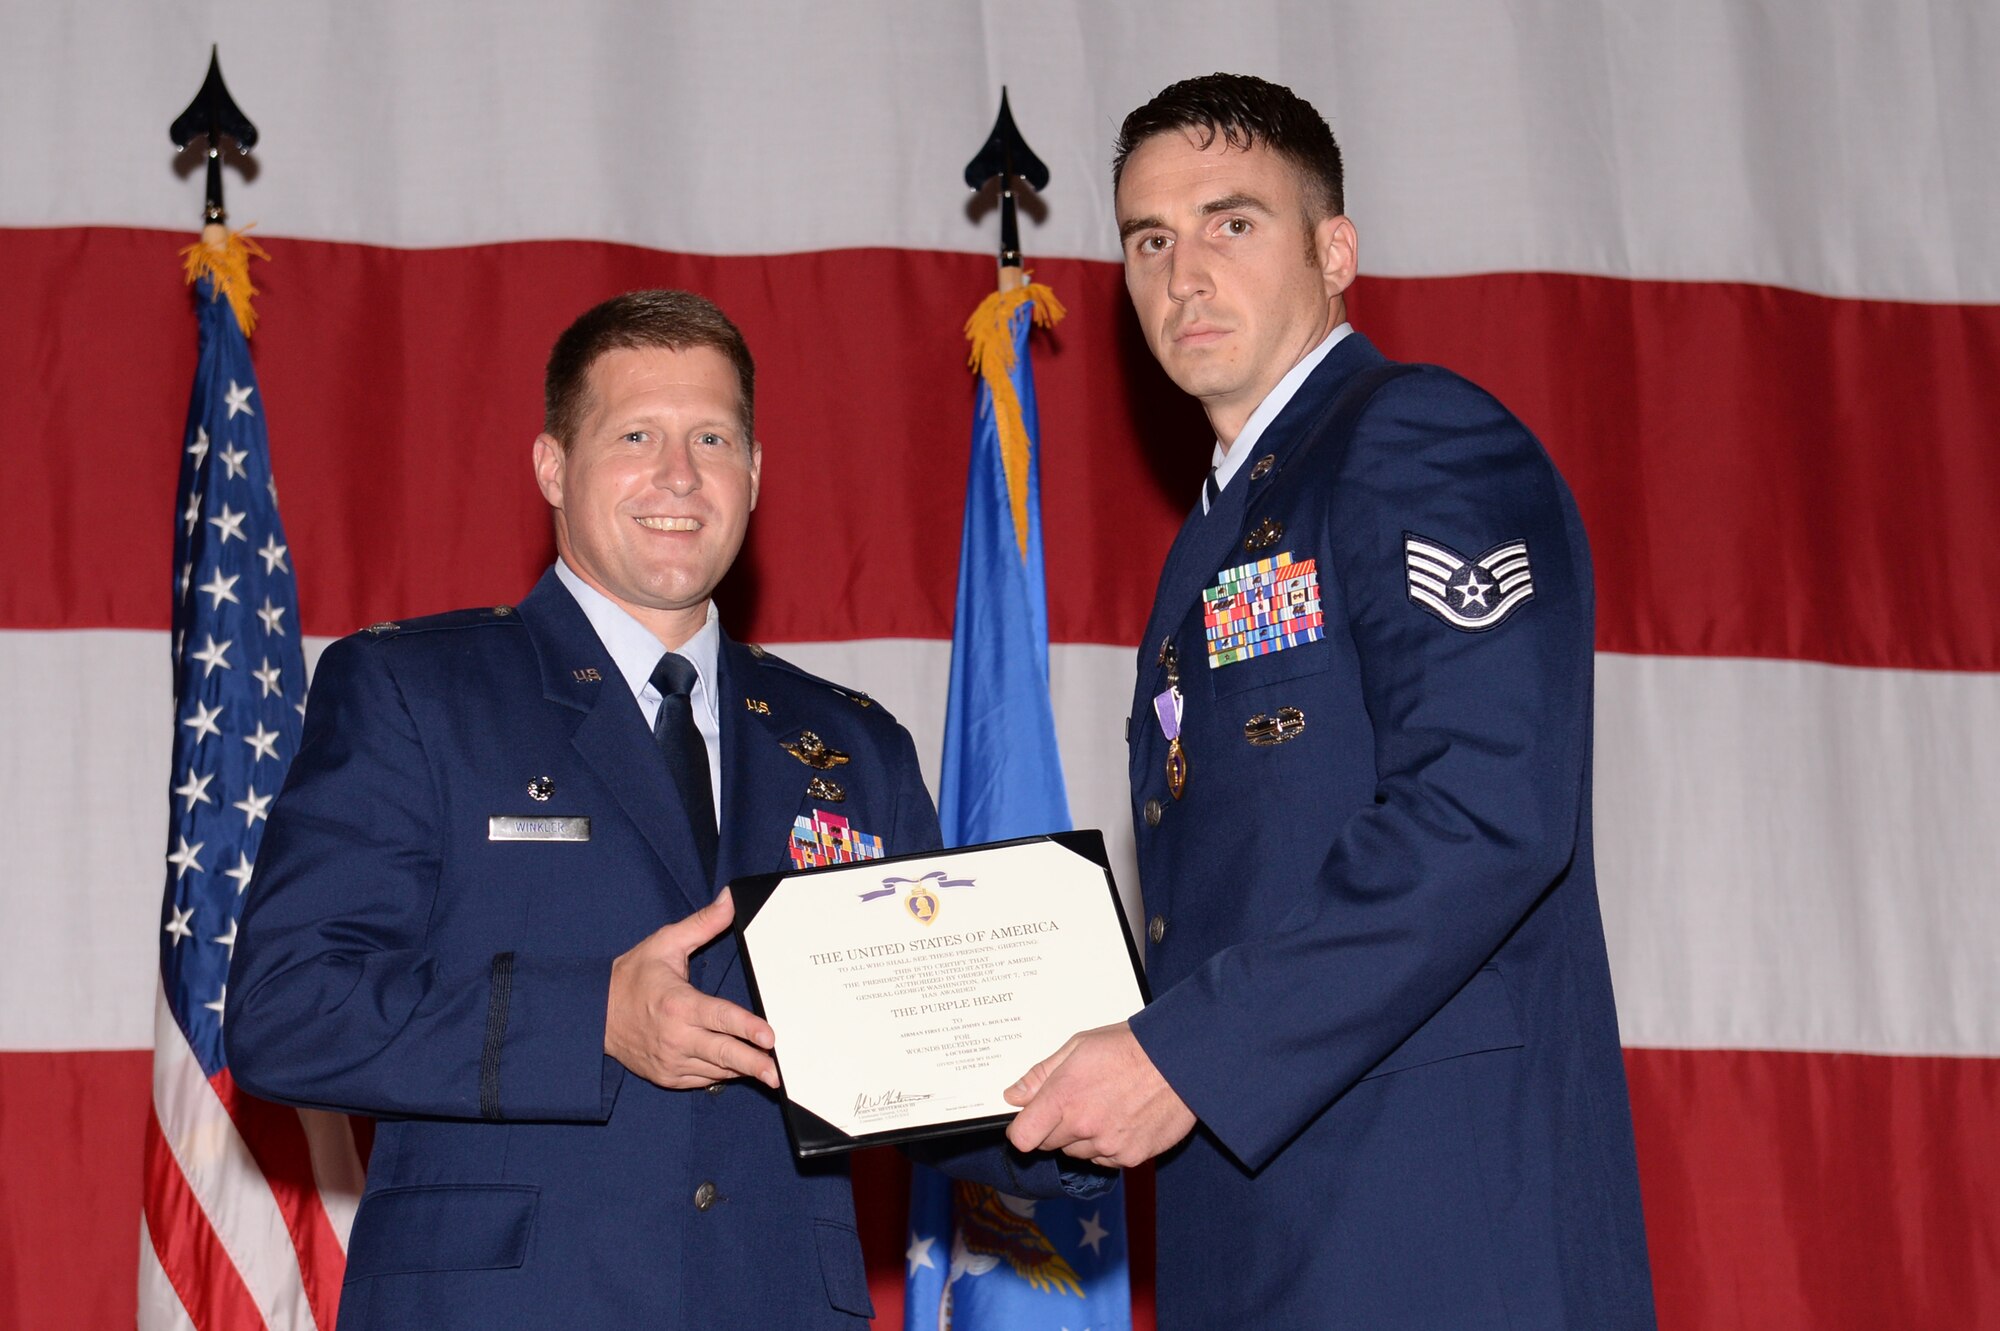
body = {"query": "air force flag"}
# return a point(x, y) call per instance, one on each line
point(1469, 594)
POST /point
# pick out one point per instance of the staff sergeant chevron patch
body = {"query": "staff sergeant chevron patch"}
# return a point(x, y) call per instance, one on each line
point(1473, 595)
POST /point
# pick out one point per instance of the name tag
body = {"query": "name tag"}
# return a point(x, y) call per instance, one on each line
point(529, 827)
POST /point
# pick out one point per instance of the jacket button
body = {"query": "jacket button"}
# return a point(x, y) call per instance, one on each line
point(1157, 928)
point(706, 1196)
point(1153, 813)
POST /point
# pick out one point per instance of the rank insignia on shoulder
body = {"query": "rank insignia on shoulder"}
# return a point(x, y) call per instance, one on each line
point(826, 838)
point(813, 751)
point(1471, 595)
point(1262, 607)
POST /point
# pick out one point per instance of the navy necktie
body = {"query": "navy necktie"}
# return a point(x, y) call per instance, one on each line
point(1211, 491)
point(687, 757)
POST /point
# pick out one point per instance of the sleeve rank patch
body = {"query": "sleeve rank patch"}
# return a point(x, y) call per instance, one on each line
point(1468, 594)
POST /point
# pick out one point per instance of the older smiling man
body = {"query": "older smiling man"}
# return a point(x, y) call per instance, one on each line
point(486, 910)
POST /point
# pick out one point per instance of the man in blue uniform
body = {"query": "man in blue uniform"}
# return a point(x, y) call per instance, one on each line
point(1383, 1062)
point(486, 907)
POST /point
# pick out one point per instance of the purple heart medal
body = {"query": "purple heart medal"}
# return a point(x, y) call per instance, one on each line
point(1167, 706)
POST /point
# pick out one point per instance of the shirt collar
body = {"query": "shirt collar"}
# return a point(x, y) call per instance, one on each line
point(634, 649)
point(1228, 462)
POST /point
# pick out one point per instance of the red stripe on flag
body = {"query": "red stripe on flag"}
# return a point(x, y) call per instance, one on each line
point(72, 1134)
point(190, 1252)
point(277, 1141)
point(1824, 1191)
point(1765, 473)
point(1784, 1191)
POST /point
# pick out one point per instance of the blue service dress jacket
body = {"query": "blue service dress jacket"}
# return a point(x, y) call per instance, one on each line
point(1373, 921)
point(395, 959)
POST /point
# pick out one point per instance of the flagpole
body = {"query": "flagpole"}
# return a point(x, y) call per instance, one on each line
point(219, 1165)
point(978, 1260)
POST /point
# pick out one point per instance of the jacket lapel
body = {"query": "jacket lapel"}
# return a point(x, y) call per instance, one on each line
point(763, 787)
point(1209, 543)
point(611, 734)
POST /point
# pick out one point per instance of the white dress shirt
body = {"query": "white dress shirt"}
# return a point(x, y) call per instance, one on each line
point(636, 652)
point(1228, 461)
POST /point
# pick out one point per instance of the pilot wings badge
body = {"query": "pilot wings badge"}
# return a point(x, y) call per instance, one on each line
point(1469, 594)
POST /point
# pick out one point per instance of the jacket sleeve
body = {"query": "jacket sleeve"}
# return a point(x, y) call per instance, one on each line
point(334, 1000)
point(1480, 760)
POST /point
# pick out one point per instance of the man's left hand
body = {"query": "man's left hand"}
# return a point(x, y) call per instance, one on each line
point(1098, 1098)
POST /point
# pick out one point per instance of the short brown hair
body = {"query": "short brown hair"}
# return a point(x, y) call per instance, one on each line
point(676, 320)
point(1243, 110)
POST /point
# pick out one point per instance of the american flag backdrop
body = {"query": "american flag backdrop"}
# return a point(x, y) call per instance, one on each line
point(1731, 261)
point(245, 1204)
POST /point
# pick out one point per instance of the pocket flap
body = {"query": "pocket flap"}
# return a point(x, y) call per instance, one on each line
point(843, 1268)
point(477, 1227)
point(1479, 1017)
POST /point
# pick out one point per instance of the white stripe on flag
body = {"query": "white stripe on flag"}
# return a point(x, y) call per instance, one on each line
point(337, 1171)
point(1798, 856)
point(1791, 855)
point(225, 1179)
point(1704, 140)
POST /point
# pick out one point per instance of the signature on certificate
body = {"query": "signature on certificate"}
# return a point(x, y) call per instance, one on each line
point(886, 1099)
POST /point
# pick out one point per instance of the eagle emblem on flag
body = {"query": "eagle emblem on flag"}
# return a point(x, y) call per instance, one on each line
point(1469, 594)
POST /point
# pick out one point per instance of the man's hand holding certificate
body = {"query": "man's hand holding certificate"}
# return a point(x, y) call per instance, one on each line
point(907, 994)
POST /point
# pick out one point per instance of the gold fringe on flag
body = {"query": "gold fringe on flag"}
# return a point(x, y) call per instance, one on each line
point(991, 332)
point(223, 256)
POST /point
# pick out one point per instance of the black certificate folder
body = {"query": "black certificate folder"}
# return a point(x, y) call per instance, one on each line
point(908, 993)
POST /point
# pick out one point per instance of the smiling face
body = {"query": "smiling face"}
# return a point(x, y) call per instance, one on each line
point(653, 494)
point(1232, 279)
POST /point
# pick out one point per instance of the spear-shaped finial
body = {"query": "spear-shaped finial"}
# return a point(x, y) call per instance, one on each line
point(222, 256)
point(1007, 155)
point(214, 115)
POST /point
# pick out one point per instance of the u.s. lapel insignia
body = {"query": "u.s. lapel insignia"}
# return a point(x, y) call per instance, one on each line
point(823, 788)
point(1264, 731)
point(757, 705)
point(811, 750)
point(1471, 595)
point(1267, 534)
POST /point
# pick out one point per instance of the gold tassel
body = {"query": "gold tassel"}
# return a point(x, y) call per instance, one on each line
point(223, 256)
point(991, 332)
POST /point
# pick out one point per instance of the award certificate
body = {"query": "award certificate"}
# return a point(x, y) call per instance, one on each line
point(908, 993)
